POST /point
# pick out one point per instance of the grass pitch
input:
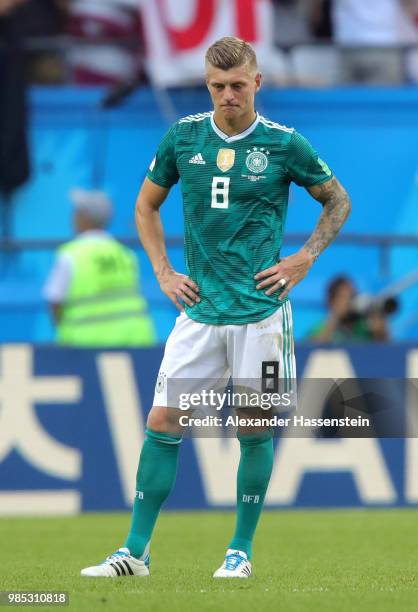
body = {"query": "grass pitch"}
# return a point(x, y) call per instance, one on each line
point(315, 561)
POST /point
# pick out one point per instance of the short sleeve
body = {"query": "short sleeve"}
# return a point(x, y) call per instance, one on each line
point(57, 285)
point(304, 166)
point(163, 169)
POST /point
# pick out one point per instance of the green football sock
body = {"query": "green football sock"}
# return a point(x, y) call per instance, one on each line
point(253, 477)
point(154, 481)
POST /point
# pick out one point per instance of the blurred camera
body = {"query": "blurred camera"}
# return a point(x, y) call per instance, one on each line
point(363, 305)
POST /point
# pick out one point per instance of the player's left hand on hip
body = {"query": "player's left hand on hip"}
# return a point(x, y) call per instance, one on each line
point(284, 275)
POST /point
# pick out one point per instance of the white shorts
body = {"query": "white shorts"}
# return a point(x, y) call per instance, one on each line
point(197, 354)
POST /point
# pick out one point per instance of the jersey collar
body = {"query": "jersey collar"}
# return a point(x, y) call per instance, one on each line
point(94, 233)
point(236, 137)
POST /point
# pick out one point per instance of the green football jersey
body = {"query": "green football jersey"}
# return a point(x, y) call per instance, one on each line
point(235, 196)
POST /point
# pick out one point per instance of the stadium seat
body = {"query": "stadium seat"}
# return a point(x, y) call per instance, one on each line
point(315, 65)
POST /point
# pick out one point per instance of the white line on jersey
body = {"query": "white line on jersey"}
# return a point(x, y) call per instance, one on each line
point(197, 159)
point(276, 126)
point(198, 117)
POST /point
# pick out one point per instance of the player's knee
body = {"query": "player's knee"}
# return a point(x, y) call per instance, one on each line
point(156, 419)
point(164, 420)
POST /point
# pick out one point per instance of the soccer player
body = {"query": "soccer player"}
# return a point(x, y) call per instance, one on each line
point(235, 168)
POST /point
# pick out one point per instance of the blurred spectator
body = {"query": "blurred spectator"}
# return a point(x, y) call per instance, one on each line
point(345, 323)
point(7, 7)
point(299, 25)
point(44, 19)
point(93, 288)
point(292, 22)
point(412, 55)
point(321, 25)
point(301, 22)
point(105, 62)
point(376, 23)
point(14, 163)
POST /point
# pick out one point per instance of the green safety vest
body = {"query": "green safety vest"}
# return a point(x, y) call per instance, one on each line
point(103, 306)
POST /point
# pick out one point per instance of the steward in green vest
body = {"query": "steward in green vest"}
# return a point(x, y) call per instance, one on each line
point(102, 305)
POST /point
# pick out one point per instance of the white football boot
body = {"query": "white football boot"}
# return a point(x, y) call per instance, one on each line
point(236, 565)
point(121, 563)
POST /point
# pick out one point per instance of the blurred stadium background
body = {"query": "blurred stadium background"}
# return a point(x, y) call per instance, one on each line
point(101, 82)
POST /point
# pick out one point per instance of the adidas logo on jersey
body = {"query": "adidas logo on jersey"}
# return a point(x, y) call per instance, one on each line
point(197, 159)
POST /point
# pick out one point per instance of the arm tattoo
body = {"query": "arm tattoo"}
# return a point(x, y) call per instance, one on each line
point(336, 208)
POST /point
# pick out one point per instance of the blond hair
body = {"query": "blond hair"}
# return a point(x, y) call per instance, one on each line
point(231, 52)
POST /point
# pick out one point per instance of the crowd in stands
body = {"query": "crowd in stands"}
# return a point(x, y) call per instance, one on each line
point(369, 40)
point(322, 41)
point(105, 39)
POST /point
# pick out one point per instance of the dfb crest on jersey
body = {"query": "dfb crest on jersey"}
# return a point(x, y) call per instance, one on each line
point(159, 387)
point(225, 159)
point(257, 160)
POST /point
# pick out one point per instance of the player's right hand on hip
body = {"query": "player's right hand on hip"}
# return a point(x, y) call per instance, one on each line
point(179, 288)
